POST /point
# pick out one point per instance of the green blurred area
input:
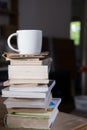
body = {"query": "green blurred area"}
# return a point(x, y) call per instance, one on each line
point(75, 28)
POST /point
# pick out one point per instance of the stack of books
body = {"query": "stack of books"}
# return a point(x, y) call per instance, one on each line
point(29, 100)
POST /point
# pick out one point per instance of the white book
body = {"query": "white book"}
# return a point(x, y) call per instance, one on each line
point(22, 60)
point(25, 62)
point(27, 102)
point(27, 72)
point(31, 61)
point(32, 87)
point(31, 105)
point(26, 94)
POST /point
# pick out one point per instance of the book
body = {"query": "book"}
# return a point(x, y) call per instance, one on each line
point(6, 92)
point(25, 81)
point(33, 120)
point(25, 62)
point(50, 107)
point(27, 72)
point(24, 56)
point(27, 102)
point(32, 87)
point(26, 110)
point(30, 61)
point(25, 121)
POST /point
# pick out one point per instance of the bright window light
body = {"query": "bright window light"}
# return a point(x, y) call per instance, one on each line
point(75, 28)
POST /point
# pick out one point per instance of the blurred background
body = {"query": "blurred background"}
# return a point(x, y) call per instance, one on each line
point(64, 26)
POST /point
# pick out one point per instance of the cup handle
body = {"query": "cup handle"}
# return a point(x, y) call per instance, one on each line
point(9, 43)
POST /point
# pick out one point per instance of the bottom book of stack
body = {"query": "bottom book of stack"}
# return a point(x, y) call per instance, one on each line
point(32, 118)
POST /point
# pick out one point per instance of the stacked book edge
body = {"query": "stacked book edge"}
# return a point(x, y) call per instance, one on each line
point(28, 89)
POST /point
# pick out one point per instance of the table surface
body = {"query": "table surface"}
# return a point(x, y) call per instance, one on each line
point(66, 121)
point(63, 121)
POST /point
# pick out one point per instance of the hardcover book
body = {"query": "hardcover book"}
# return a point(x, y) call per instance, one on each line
point(6, 92)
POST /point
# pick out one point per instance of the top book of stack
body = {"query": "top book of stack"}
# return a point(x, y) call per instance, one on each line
point(19, 59)
point(23, 56)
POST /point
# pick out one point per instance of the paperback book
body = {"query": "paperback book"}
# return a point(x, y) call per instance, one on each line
point(32, 87)
point(33, 120)
point(27, 102)
point(49, 108)
point(27, 72)
point(31, 61)
point(25, 81)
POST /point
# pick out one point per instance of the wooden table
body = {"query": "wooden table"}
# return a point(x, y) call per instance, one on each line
point(66, 121)
point(63, 121)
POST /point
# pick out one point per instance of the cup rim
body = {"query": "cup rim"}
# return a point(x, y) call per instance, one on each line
point(23, 30)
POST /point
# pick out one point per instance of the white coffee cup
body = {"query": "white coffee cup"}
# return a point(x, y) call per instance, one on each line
point(28, 41)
